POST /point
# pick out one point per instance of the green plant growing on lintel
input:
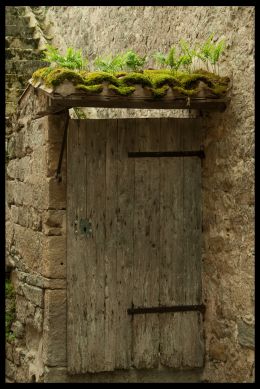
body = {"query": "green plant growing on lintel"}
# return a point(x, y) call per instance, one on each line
point(210, 52)
point(169, 60)
point(109, 64)
point(73, 59)
point(133, 61)
point(188, 54)
point(129, 61)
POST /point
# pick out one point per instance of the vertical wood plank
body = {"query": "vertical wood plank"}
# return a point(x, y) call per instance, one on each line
point(96, 203)
point(181, 333)
point(77, 297)
point(125, 204)
point(111, 246)
point(71, 324)
point(146, 245)
point(172, 291)
point(193, 348)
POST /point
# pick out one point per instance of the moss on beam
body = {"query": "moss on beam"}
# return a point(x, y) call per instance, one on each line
point(158, 81)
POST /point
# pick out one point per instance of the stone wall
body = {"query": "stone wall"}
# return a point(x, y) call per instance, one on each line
point(35, 239)
point(228, 170)
point(35, 227)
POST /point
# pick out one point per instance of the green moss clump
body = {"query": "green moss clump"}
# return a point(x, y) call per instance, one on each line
point(122, 90)
point(190, 81)
point(41, 73)
point(160, 92)
point(99, 77)
point(10, 310)
point(90, 88)
point(135, 78)
point(158, 80)
point(186, 92)
point(150, 72)
point(120, 74)
point(214, 78)
point(219, 90)
point(57, 75)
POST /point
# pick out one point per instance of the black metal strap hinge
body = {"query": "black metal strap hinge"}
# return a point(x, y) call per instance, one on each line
point(176, 308)
point(160, 154)
point(58, 171)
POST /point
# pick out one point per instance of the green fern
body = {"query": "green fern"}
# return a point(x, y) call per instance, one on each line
point(109, 64)
point(133, 61)
point(168, 60)
point(72, 59)
point(188, 54)
point(210, 52)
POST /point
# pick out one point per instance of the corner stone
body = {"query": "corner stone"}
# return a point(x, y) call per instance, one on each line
point(246, 334)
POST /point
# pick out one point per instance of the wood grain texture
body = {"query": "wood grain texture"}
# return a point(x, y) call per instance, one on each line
point(125, 204)
point(146, 246)
point(144, 249)
point(180, 245)
point(110, 257)
point(77, 293)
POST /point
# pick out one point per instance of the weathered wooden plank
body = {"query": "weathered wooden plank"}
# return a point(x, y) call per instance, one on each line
point(83, 100)
point(171, 238)
point(146, 246)
point(96, 202)
point(77, 297)
point(71, 325)
point(193, 351)
point(180, 241)
point(125, 204)
point(111, 245)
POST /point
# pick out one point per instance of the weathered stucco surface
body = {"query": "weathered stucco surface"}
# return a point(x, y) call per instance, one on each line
point(34, 225)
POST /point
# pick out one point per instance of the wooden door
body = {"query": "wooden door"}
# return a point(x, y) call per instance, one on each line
point(133, 242)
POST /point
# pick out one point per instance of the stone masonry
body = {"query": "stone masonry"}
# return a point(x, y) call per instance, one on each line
point(35, 241)
point(36, 209)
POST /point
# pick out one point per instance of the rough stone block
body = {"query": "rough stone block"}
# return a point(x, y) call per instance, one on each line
point(55, 374)
point(9, 351)
point(24, 309)
point(55, 128)
point(218, 351)
point(53, 155)
point(33, 294)
point(30, 245)
point(18, 329)
point(9, 233)
point(54, 263)
point(57, 193)
point(17, 353)
point(14, 213)
point(38, 319)
point(10, 369)
point(54, 222)
point(37, 169)
point(54, 328)
point(40, 281)
point(246, 334)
